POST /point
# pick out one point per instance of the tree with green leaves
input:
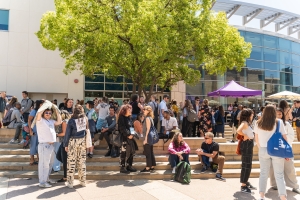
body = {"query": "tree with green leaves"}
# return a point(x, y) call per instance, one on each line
point(150, 42)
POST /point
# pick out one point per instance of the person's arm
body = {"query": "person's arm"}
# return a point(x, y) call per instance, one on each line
point(59, 120)
point(256, 135)
point(112, 126)
point(97, 108)
point(212, 155)
point(122, 127)
point(30, 119)
point(63, 129)
point(27, 107)
point(241, 127)
point(148, 124)
point(18, 116)
point(187, 149)
point(175, 124)
point(140, 106)
point(67, 136)
point(171, 148)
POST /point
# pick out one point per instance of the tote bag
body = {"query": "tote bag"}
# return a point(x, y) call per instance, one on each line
point(278, 146)
point(153, 136)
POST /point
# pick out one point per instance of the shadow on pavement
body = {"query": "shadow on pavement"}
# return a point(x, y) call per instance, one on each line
point(110, 183)
point(242, 196)
point(273, 194)
point(56, 192)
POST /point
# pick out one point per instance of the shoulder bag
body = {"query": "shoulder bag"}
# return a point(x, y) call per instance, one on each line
point(153, 136)
point(116, 139)
point(278, 146)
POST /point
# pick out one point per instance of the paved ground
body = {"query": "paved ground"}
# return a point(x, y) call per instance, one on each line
point(136, 189)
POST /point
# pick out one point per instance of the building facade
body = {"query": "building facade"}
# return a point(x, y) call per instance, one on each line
point(274, 64)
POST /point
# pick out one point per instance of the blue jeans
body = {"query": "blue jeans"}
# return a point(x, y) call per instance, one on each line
point(56, 164)
point(205, 159)
point(34, 144)
point(174, 159)
point(46, 159)
point(133, 117)
point(99, 123)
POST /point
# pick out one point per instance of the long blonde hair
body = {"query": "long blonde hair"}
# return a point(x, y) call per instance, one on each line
point(150, 113)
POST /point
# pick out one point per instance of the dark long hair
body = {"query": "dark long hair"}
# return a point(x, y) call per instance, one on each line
point(38, 103)
point(124, 109)
point(283, 105)
point(13, 101)
point(78, 112)
point(221, 110)
point(175, 140)
point(283, 116)
point(134, 97)
point(268, 119)
point(66, 103)
point(245, 115)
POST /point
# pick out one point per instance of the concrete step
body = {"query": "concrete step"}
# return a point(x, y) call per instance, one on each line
point(114, 166)
point(115, 175)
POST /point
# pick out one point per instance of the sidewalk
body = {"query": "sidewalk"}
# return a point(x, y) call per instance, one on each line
point(136, 189)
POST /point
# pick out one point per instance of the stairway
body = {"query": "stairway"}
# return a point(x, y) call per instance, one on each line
point(14, 161)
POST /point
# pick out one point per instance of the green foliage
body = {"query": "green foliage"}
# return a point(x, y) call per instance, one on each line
point(148, 41)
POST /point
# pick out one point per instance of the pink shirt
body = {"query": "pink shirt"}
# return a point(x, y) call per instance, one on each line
point(185, 147)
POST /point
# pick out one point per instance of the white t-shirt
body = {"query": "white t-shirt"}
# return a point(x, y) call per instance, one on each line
point(162, 105)
point(264, 136)
point(46, 130)
point(290, 133)
point(103, 110)
point(169, 124)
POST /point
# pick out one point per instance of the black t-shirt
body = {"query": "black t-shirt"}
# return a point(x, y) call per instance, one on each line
point(209, 148)
point(61, 106)
point(135, 108)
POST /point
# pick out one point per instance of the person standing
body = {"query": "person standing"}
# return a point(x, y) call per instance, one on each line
point(111, 125)
point(283, 104)
point(264, 130)
point(2, 107)
point(205, 119)
point(75, 145)
point(162, 108)
point(62, 105)
point(196, 124)
point(129, 145)
point(103, 110)
point(246, 131)
point(235, 123)
point(296, 118)
point(92, 118)
point(26, 105)
point(154, 107)
point(290, 175)
point(220, 122)
point(186, 125)
point(136, 106)
point(69, 106)
point(148, 148)
point(33, 133)
point(16, 122)
point(47, 137)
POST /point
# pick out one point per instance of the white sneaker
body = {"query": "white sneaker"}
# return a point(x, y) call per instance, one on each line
point(96, 143)
point(13, 141)
point(45, 185)
point(69, 185)
point(51, 181)
point(174, 170)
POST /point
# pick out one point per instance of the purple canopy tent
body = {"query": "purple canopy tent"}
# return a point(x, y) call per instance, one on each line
point(234, 89)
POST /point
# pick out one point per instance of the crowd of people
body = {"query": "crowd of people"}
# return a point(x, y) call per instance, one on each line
point(63, 129)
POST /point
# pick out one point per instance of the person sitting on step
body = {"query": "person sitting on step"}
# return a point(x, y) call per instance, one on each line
point(209, 156)
point(111, 125)
point(179, 151)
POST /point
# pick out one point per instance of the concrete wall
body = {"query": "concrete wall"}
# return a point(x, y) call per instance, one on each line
point(24, 63)
point(178, 92)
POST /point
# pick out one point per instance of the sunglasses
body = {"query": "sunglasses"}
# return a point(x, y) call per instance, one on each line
point(48, 113)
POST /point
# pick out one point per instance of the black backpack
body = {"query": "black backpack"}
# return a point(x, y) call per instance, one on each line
point(183, 173)
point(6, 120)
point(155, 112)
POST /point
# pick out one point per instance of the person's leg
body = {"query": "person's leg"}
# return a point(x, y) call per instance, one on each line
point(174, 160)
point(234, 133)
point(64, 156)
point(152, 157)
point(45, 154)
point(33, 151)
point(298, 133)
point(220, 160)
point(56, 164)
point(25, 117)
point(278, 165)
point(194, 129)
point(52, 158)
point(18, 131)
point(290, 175)
point(1, 118)
point(130, 160)
point(186, 157)
point(123, 155)
point(72, 152)
point(107, 138)
point(81, 160)
point(247, 154)
point(147, 152)
point(265, 163)
point(161, 127)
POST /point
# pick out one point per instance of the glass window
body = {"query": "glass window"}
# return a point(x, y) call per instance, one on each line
point(272, 77)
point(296, 47)
point(285, 58)
point(257, 53)
point(114, 94)
point(271, 55)
point(296, 89)
point(286, 78)
point(118, 79)
point(296, 70)
point(242, 33)
point(94, 86)
point(295, 60)
point(284, 44)
point(254, 75)
point(254, 64)
point(254, 38)
point(271, 66)
point(270, 41)
point(96, 79)
point(93, 94)
point(112, 86)
point(286, 68)
point(4, 16)
point(296, 80)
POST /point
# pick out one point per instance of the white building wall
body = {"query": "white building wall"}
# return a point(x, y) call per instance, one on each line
point(24, 63)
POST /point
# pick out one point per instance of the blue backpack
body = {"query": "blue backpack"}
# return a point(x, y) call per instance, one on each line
point(278, 146)
point(153, 137)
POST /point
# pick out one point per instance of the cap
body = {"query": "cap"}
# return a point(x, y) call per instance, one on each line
point(90, 102)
